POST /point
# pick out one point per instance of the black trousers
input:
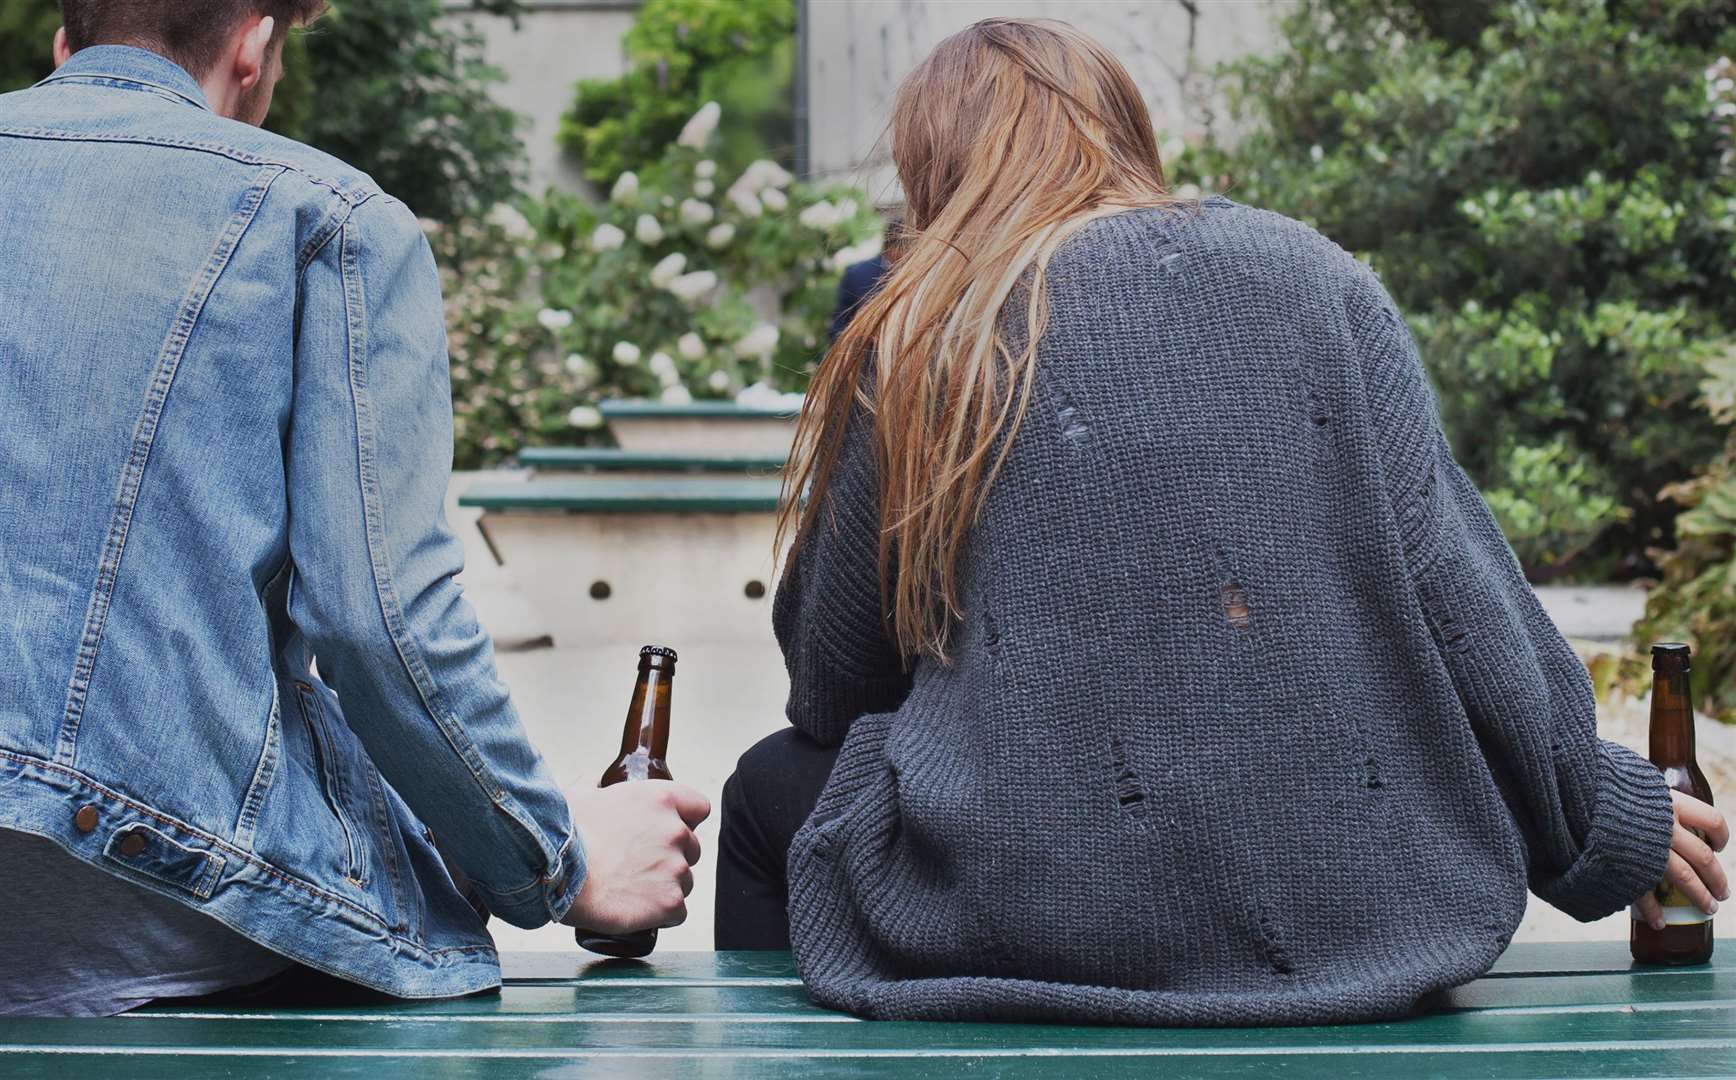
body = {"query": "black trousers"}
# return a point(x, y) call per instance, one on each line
point(775, 786)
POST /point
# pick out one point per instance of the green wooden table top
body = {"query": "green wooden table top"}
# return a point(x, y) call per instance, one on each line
point(609, 460)
point(641, 495)
point(1546, 1010)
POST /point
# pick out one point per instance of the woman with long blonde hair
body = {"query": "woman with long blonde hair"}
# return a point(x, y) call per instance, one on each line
point(1151, 659)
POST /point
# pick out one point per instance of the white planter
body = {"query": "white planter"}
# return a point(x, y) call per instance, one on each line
point(701, 428)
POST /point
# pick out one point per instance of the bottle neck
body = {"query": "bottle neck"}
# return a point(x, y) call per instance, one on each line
point(647, 727)
point(1672, 734)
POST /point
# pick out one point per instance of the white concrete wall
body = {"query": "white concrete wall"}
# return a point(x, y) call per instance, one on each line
point(859, 50)
point(556, 43)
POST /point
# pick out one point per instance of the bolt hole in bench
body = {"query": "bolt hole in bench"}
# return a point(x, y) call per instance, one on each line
point(1557, 1010)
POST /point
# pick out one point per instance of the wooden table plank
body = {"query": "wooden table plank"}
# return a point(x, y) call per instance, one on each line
point(1589, 1065)
point(1712, 1024)
point(1561, 1011)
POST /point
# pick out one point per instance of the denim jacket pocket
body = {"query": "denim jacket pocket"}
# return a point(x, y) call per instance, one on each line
point(331, 777)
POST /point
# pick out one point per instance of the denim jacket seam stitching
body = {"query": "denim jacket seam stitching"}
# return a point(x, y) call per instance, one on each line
point(124, 82)
point(531, 843)
point(168, 362)
point(243, 857)
point(354, 196)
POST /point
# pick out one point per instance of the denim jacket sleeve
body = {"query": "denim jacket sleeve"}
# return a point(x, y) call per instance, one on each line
point(368, 463)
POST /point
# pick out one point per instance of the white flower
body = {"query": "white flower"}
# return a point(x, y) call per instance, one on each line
point(820, 216)
point(676, 395)
point(775, 201)
point(745, 201)
point(699, 127)
point(691, 346)
point(554, 320)
point(626, 189)
point(576, 364)
point(607, 237)
point(718, 381)
point(511, 222)
point(1173, 148)
point(691, 287)
point(668, 269)
point(704, 188)
point(706, 169)
point(1188, 191)
point(760, 341)
point(584, 416)
point(694, 212)
point(763, 174)
point(720, 236)
point(846, 209)
point(758, 396)
point(1727, 108)
point(850, 256)
point(1315, 152)
point(662, 365)
point(625, 353)
point(647, 231)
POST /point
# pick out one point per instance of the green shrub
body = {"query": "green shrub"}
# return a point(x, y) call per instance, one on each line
point(683, 53)
point(1545, 188)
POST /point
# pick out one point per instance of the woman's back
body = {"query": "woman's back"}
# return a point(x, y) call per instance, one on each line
point(1244, 683)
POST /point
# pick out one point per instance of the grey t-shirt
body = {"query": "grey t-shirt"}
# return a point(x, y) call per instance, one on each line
point(76, 941)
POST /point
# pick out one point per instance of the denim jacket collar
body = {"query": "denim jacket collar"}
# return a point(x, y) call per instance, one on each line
point(132, 69)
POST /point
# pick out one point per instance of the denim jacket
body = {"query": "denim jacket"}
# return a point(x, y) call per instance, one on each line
point(225, 443)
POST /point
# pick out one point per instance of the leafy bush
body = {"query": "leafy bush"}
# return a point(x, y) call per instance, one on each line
point(683, 53)
point(26, 41)
point(391, 86)
point(1545, 188)
point(687, 282)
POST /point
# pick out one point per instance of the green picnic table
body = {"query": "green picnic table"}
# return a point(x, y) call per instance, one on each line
point(1578, 1010)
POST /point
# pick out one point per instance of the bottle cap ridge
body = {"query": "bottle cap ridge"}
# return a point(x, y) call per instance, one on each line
point(658, 650)
point(1670, 655)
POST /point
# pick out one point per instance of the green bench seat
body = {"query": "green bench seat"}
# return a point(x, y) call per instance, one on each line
point(639, 495)
point(1567, 1010)
point(589, 459)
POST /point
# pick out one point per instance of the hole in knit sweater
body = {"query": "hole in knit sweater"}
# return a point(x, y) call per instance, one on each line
point(1129, 792)
point(1236, 604)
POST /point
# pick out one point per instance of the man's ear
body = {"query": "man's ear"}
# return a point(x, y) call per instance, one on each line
point(252, 51)
point(62, 51)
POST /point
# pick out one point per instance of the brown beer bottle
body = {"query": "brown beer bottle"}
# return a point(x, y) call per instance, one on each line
point(644, 744)
point(1687, 937)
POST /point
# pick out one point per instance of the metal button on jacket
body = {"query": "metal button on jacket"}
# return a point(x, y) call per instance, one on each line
point(132, 843)
point(85, 819)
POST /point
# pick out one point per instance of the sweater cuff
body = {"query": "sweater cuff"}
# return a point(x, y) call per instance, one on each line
point(1628, 846)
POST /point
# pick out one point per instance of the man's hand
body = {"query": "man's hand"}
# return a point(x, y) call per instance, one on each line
point(1694, 865)
point(639, 853)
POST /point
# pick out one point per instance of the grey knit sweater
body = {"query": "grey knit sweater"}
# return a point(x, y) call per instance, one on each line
point(1252, 718)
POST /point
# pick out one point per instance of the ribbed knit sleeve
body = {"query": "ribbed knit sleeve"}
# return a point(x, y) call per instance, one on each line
point(828, 614)
point(1597, 818)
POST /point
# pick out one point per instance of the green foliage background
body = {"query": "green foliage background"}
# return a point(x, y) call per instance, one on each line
point(683, 53)
point(387, 85)
point(1544, 185)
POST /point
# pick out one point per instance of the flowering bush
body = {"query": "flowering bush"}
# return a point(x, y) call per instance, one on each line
point(685, 283)
point(1545, 187)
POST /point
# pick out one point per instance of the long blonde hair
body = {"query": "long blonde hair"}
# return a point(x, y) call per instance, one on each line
point(1010, 136)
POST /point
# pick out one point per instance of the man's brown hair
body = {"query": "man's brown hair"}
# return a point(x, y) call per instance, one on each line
point(192, 33)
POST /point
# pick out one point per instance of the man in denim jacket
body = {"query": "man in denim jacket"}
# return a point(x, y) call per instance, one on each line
point(225, 439)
